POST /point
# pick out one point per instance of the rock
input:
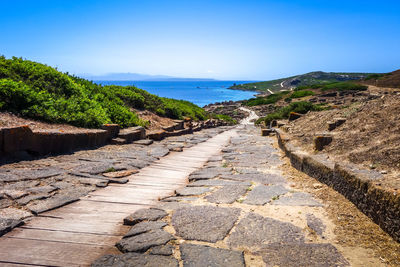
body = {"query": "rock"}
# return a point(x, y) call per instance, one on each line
point(315, 224)
point(297, 199)
point(14, 194)
point(175, 198)
point(157, 135)
point(132, 134)
point(255, 231)
point(14, 214)
point(42, 189)
point(6, 225)
point(204, 223)
point(302, 254)
point(262, 178)
point(165, 250)
point(266, 132)
point(137, 163)
point(95, 168)
point(142, 242)
point(112, 130)
point(322, 140)
point(218, 182)
point(135, 259)
point(119, 174)
point(144, 227)
point(118, 141)
point(192, 191)
point(16, 138)
point(25, 200)
point(151, 214)
point(294, 116)
point(159, 152)
point(262, 194)
point(199, 256)
point(144, 142)
point(227, 194)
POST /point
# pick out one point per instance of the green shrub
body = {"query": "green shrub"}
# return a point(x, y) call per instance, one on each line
point(271, 99)
point(335, 86)
point(302, 93)
point(283, 113)
point(39, 91)
point(224, 118)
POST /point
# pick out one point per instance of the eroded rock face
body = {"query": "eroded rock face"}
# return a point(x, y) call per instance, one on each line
point(255, 231)
point(204, 223)
point(199, 256)
point(135, 259)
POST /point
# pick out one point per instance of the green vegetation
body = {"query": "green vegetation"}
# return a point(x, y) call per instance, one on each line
point(271, 99)
point(337, 86)
point(283, 113)
point(224, 118)
point(41, 92)
point(376, 76)
point(302, 93)
point(307, 79)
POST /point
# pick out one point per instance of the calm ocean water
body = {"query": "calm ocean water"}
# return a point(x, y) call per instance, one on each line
point(199, 92)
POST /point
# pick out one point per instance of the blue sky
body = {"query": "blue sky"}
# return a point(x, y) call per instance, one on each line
point(254, 40)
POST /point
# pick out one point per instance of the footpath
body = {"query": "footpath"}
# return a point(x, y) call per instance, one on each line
point(249, 207)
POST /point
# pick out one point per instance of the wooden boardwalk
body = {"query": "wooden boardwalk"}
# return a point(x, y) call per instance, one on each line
point(79, 233)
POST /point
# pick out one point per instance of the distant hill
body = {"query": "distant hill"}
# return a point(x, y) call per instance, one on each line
point(138, 77)
point(299, 80)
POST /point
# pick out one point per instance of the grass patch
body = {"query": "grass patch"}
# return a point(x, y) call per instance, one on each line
point(301, 93)
point(224, 118)
point(271, 99)
point(336, 86)
point(283, 113)
point(38, 91)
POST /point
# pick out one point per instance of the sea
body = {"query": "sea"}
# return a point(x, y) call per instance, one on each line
point(200, 93)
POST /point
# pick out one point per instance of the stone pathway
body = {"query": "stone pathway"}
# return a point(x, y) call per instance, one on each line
point(240, 209)
point(76, 234)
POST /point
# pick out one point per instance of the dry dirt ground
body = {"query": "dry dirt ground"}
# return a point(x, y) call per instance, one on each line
point(369, 137)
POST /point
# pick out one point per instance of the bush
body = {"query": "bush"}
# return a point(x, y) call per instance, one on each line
point(271, 99)
point(302, 93)
point(283, 113)
point(336, 86)
point(39, 91)
point(224, 118)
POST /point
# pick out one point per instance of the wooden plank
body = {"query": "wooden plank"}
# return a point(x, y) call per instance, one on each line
point(27, 251)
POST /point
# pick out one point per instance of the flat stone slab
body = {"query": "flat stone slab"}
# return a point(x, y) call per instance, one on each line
point(15, 214)
point(144, 227)
point(119, 174)
point(263, 194)
point(255, 231)
point(165, 250)
point(52, 203)
point(179, 198)
point(135, 259)
point(199, 256)
point(192, 191)
point(209, 173)
point(312, 255)
point(159, 152)
point(142, 242)
point(297, 199)
point(217, 182)
point(143, 142)
point(262, 178)
point(204, 223)
point(14, 194)
point(227, 194)
point(6, 225)
point(151, 214)
point(315, 224)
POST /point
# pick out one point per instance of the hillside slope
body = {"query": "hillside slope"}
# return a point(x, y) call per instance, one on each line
point(37, 91)
point(300, 80)
point(391, 80)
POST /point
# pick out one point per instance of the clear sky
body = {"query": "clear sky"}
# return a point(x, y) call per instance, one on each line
point(255, 40)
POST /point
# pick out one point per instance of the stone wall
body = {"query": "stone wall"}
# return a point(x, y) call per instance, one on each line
point(359, 186)
point(22, 138)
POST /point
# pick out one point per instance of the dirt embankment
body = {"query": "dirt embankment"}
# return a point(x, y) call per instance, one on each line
point(370, 136)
